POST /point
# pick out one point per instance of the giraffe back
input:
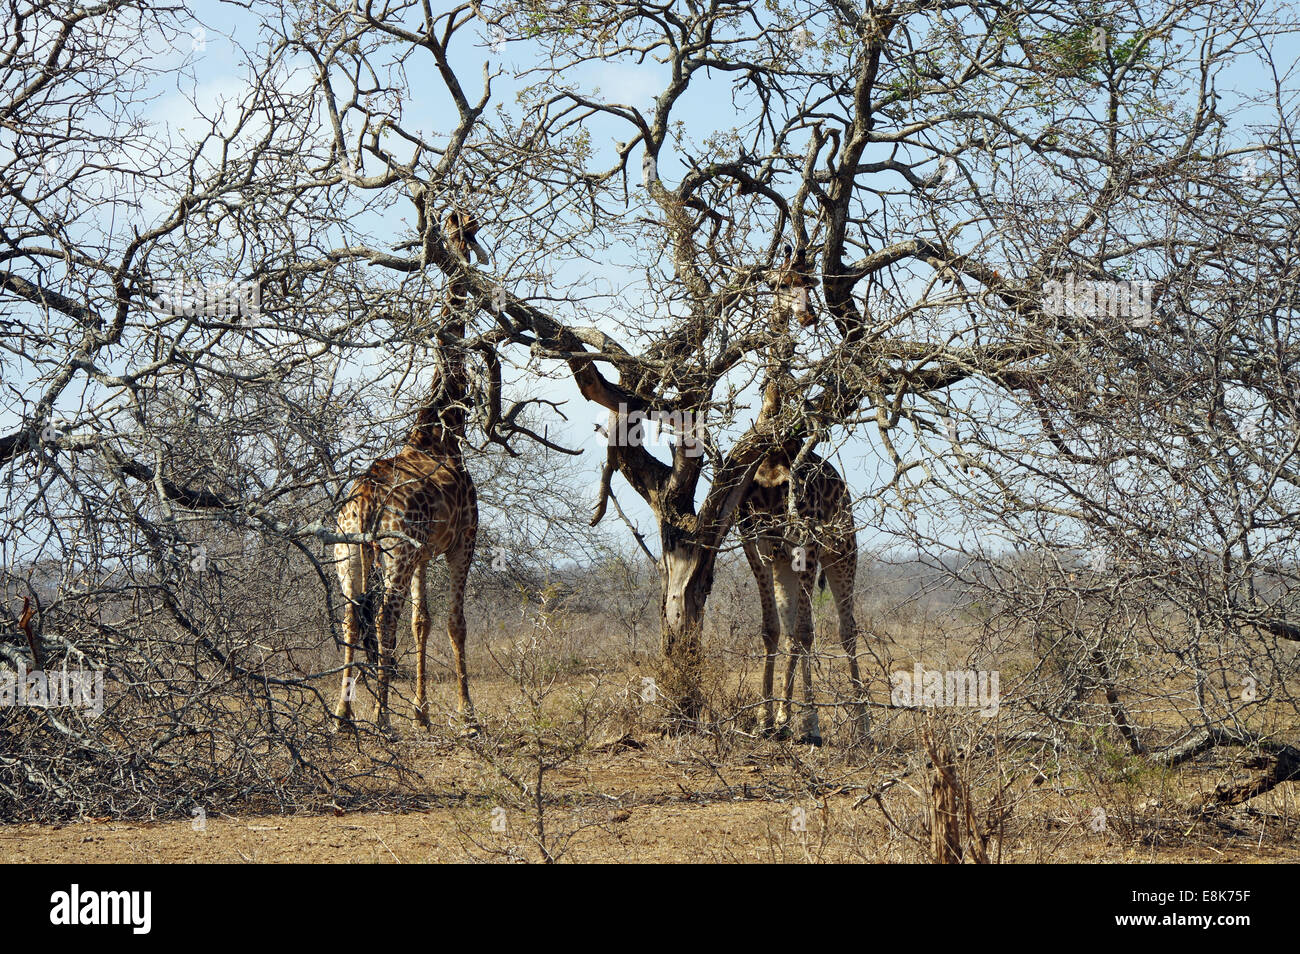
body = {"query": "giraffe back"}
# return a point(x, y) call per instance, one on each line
point(429, 499)
point(822, 504)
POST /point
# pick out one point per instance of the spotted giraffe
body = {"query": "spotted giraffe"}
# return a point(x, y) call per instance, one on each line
point(418, 505)
point(784, 550)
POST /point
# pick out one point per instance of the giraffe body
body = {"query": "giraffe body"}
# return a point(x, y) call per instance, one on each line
point(415, 506)
point(784, 548)
point(419, 506)
point(784, 551)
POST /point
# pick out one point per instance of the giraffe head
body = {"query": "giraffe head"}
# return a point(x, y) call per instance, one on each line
point(790, 283)
point(461, 230)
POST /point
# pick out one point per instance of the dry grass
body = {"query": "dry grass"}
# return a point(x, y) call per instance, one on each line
point(632, 794)
point(573, 763)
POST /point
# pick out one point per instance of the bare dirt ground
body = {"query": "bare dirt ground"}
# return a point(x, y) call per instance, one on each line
point(650, 798)
point(674, 830)
point(618, 790)
point(683, 832)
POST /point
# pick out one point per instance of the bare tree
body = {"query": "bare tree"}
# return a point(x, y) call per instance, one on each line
point(942, 167)
point(1056, 266)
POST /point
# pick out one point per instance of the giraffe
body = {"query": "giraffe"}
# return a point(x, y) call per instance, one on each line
point(421, 504)
point(783, 552)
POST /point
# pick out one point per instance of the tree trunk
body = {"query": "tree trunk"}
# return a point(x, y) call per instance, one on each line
point(685, 578)
point(689, 542)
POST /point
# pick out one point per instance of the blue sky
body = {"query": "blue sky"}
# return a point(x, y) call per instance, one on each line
point(214, 49)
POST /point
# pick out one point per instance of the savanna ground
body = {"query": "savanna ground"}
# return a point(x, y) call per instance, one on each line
point(572, 689)
point(1045, 327)
point(661, 803)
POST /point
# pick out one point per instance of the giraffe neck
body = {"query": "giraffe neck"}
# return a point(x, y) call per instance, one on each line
point(440, 425)
point(788, 297)
point(778, 370)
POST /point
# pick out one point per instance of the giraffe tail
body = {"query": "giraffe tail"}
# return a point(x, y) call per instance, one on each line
point(372, 587)
point(821, 580)
point(366, 621)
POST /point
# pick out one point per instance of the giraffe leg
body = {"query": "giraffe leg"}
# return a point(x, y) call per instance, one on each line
point(397, 578)
point(348, 563)
point(841, 572)
point(458, 562)
point(759, 555)
point(809, 729)
point(420, 633)
point(786, 580)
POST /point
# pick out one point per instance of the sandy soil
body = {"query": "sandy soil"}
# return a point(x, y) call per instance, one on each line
point(653, 804)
